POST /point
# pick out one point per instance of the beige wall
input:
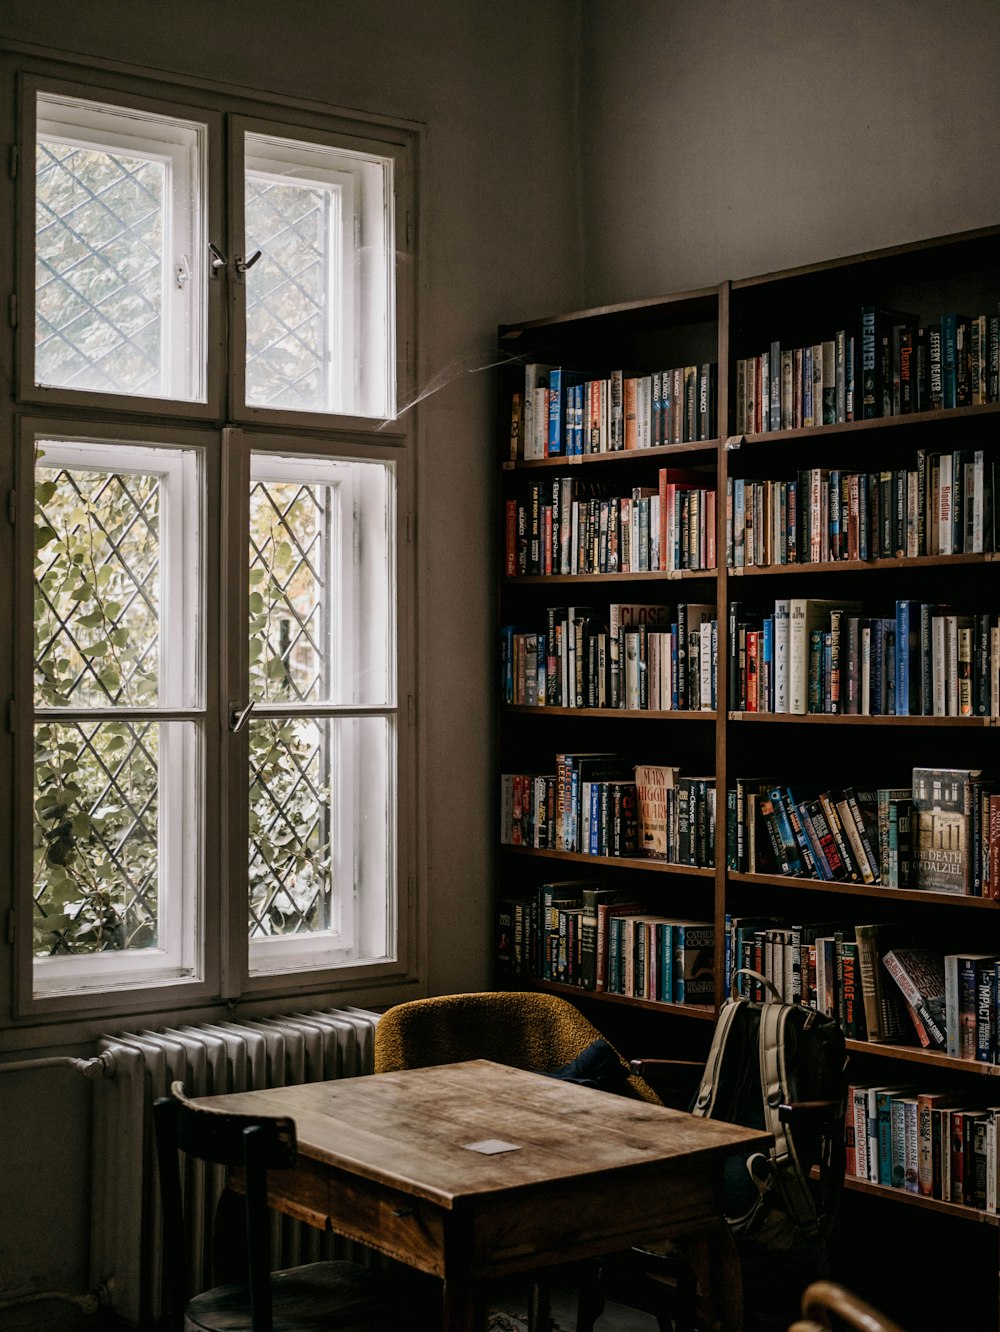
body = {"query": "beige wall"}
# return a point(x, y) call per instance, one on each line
point(722, 138)
point(716, 138)
point(497, 221)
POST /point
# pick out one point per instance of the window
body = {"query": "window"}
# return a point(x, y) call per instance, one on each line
point(322, 734)
point(318, 333)
point(213, 796)
point(116, 656)
point(119, 233)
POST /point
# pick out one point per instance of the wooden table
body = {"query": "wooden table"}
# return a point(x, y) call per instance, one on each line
point(386, 1160)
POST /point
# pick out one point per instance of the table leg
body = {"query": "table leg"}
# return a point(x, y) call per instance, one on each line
point(463, 1300)
point(716, 1265)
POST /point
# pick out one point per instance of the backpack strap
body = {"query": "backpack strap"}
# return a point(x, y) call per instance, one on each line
point(788, 1170)
point(757, 976)
point(704, 1101)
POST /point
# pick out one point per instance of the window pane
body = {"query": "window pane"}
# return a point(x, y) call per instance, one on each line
point(119, 292)
point(114, 822)
point(318, 301)
point(115, 526)
point(321, 581)
point(322, 840)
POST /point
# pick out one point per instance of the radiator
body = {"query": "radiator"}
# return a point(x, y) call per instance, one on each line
point(208, 1059)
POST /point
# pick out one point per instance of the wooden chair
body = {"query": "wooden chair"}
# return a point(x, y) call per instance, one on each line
point(333, 1296)
point(826, 1306)
point(537, 1032)
point(818, 1127)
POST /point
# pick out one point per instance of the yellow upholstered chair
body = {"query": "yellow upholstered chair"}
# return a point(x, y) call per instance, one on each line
point(537, 1032)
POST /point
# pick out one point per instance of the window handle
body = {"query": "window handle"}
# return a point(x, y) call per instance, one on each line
point(243, 264)
point(218, 259)
point(238, 717)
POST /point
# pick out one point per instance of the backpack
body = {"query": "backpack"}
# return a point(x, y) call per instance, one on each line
point(764, 1055)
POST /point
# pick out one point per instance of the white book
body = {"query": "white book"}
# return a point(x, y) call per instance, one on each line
point(805, 615)
point(912, 546)
point(939, 664)
point(781, 633)
point(951, 665)
point(944, 511)
point(667, 673)
point(866, 671)
point(977, 502)
point(705, 660)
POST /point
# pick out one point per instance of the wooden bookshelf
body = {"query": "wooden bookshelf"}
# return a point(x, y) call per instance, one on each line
point(817, 751)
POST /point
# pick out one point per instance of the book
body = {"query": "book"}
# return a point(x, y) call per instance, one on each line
point(919, 974)
point(942, 809)
point(652, 783)
point(881, 1007)
point(805, 615)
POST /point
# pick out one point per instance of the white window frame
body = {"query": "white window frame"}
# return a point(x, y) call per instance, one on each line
point(368, 249)
point(180, 148)
point(342, 307)
point(224, 433)
point(180, 772)
point(350, 938)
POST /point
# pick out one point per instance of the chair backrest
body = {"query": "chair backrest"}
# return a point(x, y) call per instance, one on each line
point(256, 1143)
point(827, 1305)
point(536, 1032)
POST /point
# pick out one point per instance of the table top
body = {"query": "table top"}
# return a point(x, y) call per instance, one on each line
point(412, 1130)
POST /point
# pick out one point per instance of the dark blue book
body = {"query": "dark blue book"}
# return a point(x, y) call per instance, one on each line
point(907, 656)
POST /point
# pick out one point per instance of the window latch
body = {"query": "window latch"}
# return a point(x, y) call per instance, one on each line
point(218, 259)
point(243, 264)
point(238, 716)
point(182, 271)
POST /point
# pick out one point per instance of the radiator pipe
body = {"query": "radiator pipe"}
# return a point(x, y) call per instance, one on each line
point(88, 1303)
point(101, 1066)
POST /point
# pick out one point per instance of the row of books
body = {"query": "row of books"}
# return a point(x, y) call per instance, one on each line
point(605, 805)
point(942, 506)
point(935, 1143)
point(567, 413)
point(879, 990)
point(567, 526)
point(826, 656)
point(941, 834)
point(633, 657)
point(578, 932)
point(893, 365)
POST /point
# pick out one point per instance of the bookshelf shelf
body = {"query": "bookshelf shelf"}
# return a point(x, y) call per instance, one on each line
point(848, 719)
point(702, 1012)
point(617, 714)
point(775, 489)
point(656, 576)
point(854, 566)
point(912, 1054)
point(956, 1210)
point(921, 895)
point(707, 448)
point(943, 417)
point(617, 862)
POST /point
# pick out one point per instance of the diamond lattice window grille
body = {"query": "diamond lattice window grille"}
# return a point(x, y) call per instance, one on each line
point(97, 633)
point(290, 876)
point(288, 294)
point(290, 553)
point(96, 841)
point(99, 270)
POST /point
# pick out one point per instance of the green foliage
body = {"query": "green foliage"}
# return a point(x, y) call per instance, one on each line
point(97, 784)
